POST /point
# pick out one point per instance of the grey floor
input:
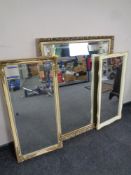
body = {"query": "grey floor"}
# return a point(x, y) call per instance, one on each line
point(75, 103)
point(35, 122)
point(35, 116)
point(109, 108)
point(103, 152)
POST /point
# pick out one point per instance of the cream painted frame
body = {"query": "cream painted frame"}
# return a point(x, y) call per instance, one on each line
point(100, 125)
point(19, 155)
point(39, 49)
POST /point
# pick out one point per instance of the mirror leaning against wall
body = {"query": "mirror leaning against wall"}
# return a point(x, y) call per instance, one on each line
point(53, 98)
point(75, 78)
point(111, 83)
point(30, 88)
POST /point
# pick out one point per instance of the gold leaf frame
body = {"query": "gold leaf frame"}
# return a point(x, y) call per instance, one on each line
point(39, 51)
point(39, 41)
point(21, 157)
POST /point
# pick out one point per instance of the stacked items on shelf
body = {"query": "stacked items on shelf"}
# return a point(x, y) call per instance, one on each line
point(13, 77)
point(72, 69)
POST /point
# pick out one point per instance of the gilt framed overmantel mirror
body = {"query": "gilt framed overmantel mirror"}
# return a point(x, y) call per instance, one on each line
point(31, 92)
point(75, 74)
point(111, 81)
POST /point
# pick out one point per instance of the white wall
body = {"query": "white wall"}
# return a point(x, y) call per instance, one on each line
point(21, 21)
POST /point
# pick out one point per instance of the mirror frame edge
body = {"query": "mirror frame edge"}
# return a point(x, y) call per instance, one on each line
point(99, 124)
point(22, 157)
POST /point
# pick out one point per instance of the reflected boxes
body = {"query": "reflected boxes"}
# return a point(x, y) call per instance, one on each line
point(68, 77)
point(13, 77)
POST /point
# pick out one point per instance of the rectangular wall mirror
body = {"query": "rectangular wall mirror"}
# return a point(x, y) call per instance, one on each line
point(75, 77)
point(31, 89)
point(110, 88)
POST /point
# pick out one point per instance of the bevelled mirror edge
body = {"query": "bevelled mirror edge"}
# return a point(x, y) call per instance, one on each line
point(124, 56)
point(38, 42)
point(21, 157)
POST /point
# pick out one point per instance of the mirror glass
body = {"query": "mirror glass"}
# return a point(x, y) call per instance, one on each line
point(76, 48)
point(75, 78)
point(111, 80)
point(32, 95)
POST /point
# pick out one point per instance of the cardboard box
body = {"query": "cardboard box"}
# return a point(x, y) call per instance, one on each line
point(33, 69)
point(68, 77)
point(83, 77)
point(80, 68)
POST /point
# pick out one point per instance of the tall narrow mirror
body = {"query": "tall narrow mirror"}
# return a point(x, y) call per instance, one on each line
point(75, 93)
point(31, 90)
point(110, 91)
point(74, 60)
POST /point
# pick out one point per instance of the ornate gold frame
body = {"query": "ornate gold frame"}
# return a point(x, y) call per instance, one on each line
point(41, 41)
point(19, 155)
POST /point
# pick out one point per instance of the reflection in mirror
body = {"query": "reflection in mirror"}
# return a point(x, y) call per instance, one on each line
point(32, 95)
point(75, 78)
point(111, 80)
point(76, 48)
